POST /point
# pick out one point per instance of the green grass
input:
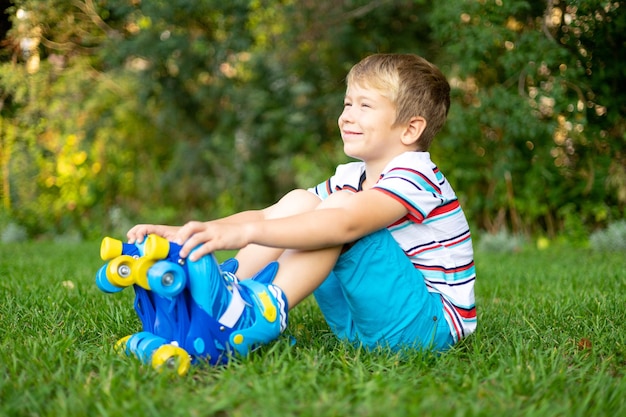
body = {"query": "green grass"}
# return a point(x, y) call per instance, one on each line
point(551, 342)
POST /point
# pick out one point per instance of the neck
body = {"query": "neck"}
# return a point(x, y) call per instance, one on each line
point(372, 173)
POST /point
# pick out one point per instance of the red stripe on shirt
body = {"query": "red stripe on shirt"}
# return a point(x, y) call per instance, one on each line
point(446, 208)
point(454, 322)
point(465, 313)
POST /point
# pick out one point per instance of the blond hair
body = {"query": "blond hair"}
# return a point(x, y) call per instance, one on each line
point(416, 87)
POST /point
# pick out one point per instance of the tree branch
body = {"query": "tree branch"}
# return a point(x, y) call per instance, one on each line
point(89, 9)
point(546, 15)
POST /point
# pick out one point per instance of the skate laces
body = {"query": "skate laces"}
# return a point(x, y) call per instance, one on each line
point(230, 277)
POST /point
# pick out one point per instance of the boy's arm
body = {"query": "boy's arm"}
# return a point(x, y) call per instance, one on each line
point(356, 216)
point(139, 232)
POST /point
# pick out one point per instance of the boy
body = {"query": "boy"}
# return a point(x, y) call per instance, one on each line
point(382, 244)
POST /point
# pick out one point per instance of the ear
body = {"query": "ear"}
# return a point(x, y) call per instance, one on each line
point(413, 131)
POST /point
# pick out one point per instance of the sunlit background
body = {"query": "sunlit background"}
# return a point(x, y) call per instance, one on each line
point(114, 112)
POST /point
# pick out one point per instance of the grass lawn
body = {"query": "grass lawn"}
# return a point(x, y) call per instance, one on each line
point(551, 342)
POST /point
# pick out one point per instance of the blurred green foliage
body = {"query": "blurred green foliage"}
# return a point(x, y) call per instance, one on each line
point(117, 111)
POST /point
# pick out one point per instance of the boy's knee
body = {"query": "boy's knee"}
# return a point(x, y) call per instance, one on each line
point(294, 202)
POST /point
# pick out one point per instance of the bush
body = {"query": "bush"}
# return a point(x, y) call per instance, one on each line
point(613, 238)
point(14, 233)
point(501, 242)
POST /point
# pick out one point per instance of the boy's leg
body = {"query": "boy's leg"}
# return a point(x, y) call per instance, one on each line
point(301, 272)
point(387, 298)
point(254, 257)
point(333, 303)
point(377, 296)
point(238, 315)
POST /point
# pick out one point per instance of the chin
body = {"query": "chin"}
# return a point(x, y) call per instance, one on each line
point(350, 152)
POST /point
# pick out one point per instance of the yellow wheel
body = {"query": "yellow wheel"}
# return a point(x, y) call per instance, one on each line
point(171, 357)
point(121, 345)
point(110, 248)
point(140, 271)
point(156, 247)
point(120, 271)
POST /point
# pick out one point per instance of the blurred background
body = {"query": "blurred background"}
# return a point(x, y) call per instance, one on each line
point(114, 112)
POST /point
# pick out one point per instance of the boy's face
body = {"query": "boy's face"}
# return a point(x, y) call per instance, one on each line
point(367, 125)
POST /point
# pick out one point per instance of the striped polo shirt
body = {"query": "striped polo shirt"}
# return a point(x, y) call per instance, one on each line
point(434, 234)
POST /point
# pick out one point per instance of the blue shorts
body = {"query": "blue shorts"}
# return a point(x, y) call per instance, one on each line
point(374, 297)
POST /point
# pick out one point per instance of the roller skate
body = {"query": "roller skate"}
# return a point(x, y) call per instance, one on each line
point(163, 317)
point(190, 311)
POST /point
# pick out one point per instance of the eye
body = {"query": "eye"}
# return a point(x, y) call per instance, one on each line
point(347, 104)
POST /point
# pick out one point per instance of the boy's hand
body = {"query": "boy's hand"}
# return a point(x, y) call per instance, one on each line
point(137, 233)
point(208, 237)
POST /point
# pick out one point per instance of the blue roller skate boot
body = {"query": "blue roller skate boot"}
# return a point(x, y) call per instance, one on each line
point(190, 311)
point(231, 317)
point(226, 316)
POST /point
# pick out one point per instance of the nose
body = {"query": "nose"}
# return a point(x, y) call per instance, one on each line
point(345, 115)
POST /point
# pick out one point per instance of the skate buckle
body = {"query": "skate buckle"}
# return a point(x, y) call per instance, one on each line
point(269, 310)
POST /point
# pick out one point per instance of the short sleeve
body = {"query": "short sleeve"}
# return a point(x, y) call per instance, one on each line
point(347, 177)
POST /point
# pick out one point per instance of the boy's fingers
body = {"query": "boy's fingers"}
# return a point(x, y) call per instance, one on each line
point(132, 235)
point(187, 231)
point(198, 253)
point(137, 233)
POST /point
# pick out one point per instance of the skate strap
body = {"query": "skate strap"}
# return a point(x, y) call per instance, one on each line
point(234, 310)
